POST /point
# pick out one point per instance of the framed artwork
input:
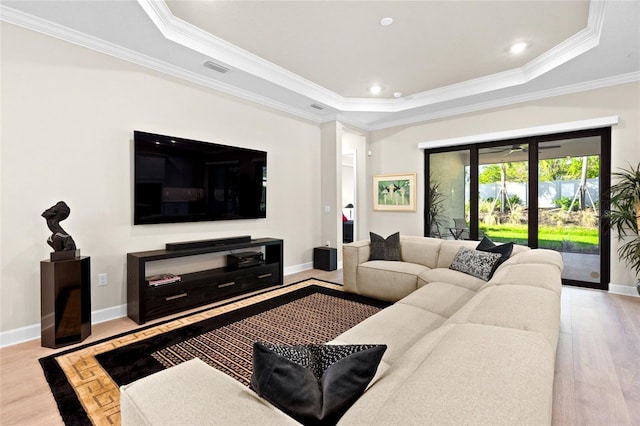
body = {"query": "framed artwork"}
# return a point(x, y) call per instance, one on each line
point(396, 192)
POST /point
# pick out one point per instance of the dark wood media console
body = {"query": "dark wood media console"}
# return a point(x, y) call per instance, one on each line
point(145, 302)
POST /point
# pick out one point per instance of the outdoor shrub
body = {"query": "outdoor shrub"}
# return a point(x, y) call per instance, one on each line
point(588, 218)
point(564, 202)
point(516, 215)
point(485, 206)
point(560, 217)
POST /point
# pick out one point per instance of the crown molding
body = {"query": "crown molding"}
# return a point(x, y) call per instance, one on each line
point(502, 102)
point(188, 35)
point(569, 49)
point(572, 47)
point(181, 32)
point(49, 28)
point(161, 16)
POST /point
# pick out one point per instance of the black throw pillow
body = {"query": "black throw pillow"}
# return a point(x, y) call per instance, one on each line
point(503, 249)
point(385, 249)
point(314, 384)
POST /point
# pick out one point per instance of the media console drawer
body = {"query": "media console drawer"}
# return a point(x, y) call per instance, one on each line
point(146, 302)
point(243, 281)
point(172, 302)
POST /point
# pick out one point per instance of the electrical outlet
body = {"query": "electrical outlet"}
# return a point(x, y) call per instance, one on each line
point(102, 279)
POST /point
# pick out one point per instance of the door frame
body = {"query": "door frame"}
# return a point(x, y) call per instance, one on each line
point(604, 242)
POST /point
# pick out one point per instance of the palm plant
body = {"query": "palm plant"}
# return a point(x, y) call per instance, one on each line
point(624, 216)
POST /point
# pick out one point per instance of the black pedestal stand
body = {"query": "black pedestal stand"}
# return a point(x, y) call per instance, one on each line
point(65, 296)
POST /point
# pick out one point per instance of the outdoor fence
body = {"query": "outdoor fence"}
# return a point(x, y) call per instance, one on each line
point(548, 192)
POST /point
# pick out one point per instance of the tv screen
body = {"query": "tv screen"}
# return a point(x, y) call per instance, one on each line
point(182, 180)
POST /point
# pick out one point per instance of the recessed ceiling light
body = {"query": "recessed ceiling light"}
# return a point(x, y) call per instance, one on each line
point(397, 94)
point(518, 48)
point(375, 89)
point(385, 22)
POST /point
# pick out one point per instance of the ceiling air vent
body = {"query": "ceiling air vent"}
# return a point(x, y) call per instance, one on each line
point(216, 67)
point(317, 106)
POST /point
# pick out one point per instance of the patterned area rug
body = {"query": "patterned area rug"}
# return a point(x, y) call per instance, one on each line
point(85, 381)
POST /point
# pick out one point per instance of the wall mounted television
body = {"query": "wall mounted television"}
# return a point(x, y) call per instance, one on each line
point(183, 180)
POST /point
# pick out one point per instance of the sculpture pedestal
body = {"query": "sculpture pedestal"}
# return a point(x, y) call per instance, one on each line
point(65, 301)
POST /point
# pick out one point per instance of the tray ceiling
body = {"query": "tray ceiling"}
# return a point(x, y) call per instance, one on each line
point(318, 59)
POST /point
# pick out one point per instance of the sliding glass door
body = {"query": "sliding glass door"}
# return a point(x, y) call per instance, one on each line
point(503, 177)
point(448, 195)
point(544, 192)
point(569, 188)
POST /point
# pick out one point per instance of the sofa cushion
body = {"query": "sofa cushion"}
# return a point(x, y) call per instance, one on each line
point(450, 276)
point(385, 249)
point(315, 384)
point(526, 274)
point(190, 394)
point(420, 250)
point(397, 326)
point(390, 281)
point(542, 256)
point(449, 249)
point(511, 306)
point(464, 374)
point(477, 263)
point(440, 298)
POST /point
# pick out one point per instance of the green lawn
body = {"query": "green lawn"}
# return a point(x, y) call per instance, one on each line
point(569, 238)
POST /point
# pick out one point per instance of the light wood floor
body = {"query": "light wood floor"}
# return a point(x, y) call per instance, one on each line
point(597, 378)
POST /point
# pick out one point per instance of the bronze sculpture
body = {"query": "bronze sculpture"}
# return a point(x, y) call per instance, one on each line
point(59, 239)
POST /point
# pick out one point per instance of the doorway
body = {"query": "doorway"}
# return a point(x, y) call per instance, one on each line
point(349, 187)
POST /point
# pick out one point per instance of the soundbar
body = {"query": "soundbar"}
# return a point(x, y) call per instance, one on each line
point(186, 245)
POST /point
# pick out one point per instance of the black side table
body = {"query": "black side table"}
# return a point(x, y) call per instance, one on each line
point(325, 258)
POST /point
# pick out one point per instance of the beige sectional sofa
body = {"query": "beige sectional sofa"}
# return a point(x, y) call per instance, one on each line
point(460, 350)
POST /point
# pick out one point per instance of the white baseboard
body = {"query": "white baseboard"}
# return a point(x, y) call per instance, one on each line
point(108, 314)
point(32, 332)
point(19, 335)
point(627, 290)
point(303, 267)
point(289, 270)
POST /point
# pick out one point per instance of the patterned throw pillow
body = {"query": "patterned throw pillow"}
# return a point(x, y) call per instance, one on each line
point(314, 384)
point(480, 264)
point(489, 246)
point(385, 249)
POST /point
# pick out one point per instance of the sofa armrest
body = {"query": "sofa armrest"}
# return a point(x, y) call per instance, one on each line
point(353, 254)
point(195, 393)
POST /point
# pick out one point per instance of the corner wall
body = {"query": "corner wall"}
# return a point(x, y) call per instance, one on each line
point(68, 116)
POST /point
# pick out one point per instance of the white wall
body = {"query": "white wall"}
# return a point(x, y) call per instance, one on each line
point(354, 141)
point(68, 115)
point(330, 193)
point(396, 150)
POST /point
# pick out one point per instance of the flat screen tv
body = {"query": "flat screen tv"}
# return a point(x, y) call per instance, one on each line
point(182, 180)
